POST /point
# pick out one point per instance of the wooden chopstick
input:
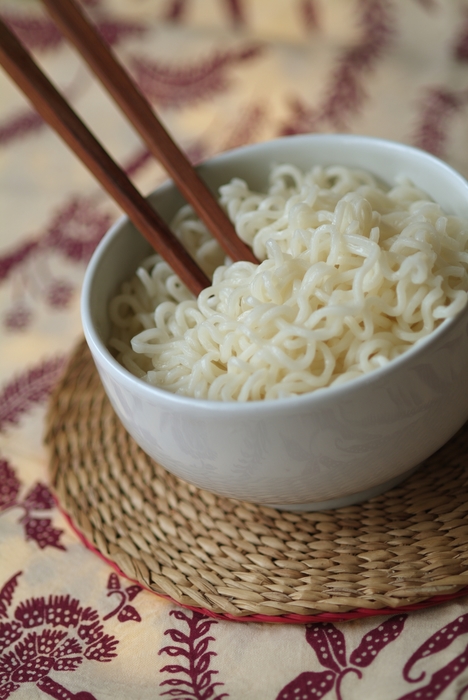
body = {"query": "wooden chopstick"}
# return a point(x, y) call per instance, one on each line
point(76, 27)
point(54, 109)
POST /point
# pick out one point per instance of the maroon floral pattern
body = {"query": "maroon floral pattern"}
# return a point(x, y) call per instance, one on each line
point(442, 678)
point(124, 611)
point(36, 528)
point(73, 232)
point(137, 161)
point(346, 91)
point(17, 398)
point(35, 32)
point(43, 637)
point(310, 14)
point(167, 86)
point(30, 388)
point(460, 49)
point(176, 10)
point(329, 645)
point(9, 485)
point(18, 317)
point(193, 675)
point(236, 10)
point(20, 255)
point(40, 33)
point(59, 293)
point(76, 229)
point(439, 106)
point(19, 125)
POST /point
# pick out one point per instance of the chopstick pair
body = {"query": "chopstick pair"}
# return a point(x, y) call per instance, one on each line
point(55, 110)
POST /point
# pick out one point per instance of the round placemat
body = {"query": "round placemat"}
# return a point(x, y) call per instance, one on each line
point(405, 549)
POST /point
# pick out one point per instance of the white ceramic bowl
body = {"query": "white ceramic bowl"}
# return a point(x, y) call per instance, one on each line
point(327, 449)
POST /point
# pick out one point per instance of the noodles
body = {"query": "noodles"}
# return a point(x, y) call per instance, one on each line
point(352, 276)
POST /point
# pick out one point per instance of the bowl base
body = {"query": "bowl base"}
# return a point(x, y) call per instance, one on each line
point(350, 500)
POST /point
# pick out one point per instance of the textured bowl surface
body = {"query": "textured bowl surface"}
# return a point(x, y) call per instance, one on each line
point(331, 448)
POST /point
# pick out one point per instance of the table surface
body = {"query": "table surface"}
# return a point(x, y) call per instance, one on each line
point(221, 73)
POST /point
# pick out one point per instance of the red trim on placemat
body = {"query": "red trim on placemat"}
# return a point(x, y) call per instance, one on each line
point(293, 618)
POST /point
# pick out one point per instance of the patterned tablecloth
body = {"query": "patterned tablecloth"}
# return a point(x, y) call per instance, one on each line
point(221, 73)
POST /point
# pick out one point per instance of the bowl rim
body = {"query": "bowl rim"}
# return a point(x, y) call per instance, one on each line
point(287, 404)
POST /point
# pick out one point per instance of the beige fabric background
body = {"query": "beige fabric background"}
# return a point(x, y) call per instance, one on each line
point(220, 74)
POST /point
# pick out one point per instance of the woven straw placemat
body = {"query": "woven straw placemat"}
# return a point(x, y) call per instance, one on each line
point(407, 548)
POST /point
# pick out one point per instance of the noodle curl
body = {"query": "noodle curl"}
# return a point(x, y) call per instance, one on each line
point(352, 276)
